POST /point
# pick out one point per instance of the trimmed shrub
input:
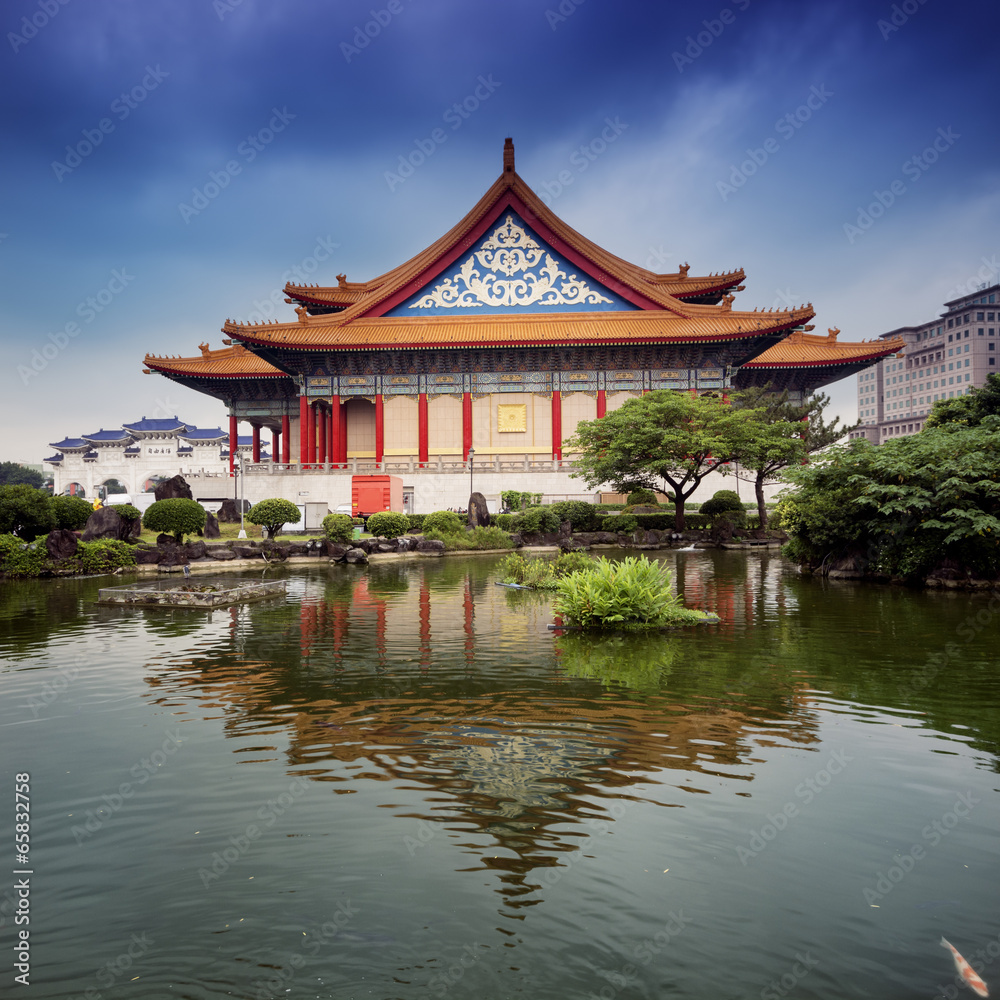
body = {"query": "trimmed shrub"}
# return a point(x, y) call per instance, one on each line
point(506, 522)
point(477, 538)
point(581, 515)
point(536, 520)
point(443, 522)
point(416, 522)
point(642, 496)
point(338, 527)
point(176, 516)
point(630, 594)
point(25, 512)
point(721, 502)
point(71, 513)
point(20, 558)
point(515, 501)
point(104, 555)
point(272, 514)
point(626, 523)
point(126, 511)
point(386, 524)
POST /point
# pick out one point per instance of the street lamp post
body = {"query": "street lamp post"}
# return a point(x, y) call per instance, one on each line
point(472, 455)
point(238, 469)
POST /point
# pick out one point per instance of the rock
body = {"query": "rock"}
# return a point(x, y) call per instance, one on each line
point(430, 547)
point(61, 544)
point(164, 539)
point(173, 555)
point(336, 550)
point(605, 538)
point(586, 538)
point(133, 529)
point(356, 556)
point(195, 550)
point(295, 549)
point(219, 552)
point(246, 552)
point(515, 540)
point(212, 526)
point(105, 523)
point(229, 512)
point(479, 515)
point(147, 555)
point(569, 544)
point(174, 488)
point(386, 547)
point(565, 529)
point(405, 543)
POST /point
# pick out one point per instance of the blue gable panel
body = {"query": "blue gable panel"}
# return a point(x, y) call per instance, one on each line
point(512, 270)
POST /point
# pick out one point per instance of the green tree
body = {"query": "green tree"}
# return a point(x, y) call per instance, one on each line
point(969, 409)
point(904, 507)
point(338, 527)
point(781, 434)
point(25, 512)
point(176, 516)
point(14, 474)
point(667, 441)
point(71, 512)
point(387, 524)
point(273, 515)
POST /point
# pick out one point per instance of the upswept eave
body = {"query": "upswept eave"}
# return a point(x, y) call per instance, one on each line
point(805, 350)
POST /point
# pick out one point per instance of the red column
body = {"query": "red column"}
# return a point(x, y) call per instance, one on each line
point(233, 442)
point(321, 422)
point(303, 428)
point(602, 403)
point(557, 424)
point(286, 440)
point(337, 453)
point(331, 446)
point(466, 425)
point(275, 443)
point(310, 435)
point(423, 447)
point(256, 442)
point(343, 434)
point(379, 427)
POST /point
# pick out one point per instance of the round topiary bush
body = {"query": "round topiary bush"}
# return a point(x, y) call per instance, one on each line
point(72, 513)
point(273, 514)
point(581, 515)
point(176, 516)
point(338, 527)
point(445, 522)
point(386, 524)
point(643, 496)
point(725, 502)
point(536, 520)
point(625, 523)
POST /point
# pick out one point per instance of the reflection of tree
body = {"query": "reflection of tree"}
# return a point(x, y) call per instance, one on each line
point(641, 662)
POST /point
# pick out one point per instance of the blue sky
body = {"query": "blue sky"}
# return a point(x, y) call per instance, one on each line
point(724, 135)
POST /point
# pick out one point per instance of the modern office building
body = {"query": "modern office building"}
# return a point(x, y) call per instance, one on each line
point(941, 359)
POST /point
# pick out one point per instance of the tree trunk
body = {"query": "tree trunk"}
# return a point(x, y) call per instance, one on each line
point(678, 511)
point(761, 506)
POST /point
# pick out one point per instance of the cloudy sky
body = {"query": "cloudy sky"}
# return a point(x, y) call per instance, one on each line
point(168, 165)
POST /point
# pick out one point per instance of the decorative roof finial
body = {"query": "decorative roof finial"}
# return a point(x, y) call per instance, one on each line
point(508, 155)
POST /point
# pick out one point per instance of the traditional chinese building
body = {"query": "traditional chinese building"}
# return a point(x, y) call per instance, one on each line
point(493, 342)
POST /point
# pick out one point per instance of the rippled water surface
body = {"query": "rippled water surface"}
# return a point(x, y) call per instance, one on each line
point(396, 782)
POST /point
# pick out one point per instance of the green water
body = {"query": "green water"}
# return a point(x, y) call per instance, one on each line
point(396, 782)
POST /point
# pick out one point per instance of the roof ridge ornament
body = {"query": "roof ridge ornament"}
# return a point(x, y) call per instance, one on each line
point(508, 155)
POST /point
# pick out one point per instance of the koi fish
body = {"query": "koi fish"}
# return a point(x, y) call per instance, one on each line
point(966, 971)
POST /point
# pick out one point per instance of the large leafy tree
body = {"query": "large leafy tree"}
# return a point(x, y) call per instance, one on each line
point(12, 474)
point(969, 409)
point(780, 434)
point(904, 507)
point(664, 440)
point(25, 512)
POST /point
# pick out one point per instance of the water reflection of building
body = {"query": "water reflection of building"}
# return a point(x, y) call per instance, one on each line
point(414, 680)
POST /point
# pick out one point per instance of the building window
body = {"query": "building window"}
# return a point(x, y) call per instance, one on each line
point(979, 317)
point(950, 324)
point(993, 361)
point(980, 331)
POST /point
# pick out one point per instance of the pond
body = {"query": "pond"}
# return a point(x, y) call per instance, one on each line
point(395, 782)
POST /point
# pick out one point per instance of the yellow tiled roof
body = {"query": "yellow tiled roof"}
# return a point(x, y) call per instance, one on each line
point(226, 362)
point(800, 348)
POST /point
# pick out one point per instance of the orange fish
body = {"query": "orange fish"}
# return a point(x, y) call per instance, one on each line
point(966, 971)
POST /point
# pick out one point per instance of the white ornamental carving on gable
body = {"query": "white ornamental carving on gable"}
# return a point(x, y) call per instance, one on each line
point(507, 258)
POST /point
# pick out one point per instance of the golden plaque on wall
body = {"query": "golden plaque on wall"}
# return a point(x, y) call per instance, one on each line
point(512, 417)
